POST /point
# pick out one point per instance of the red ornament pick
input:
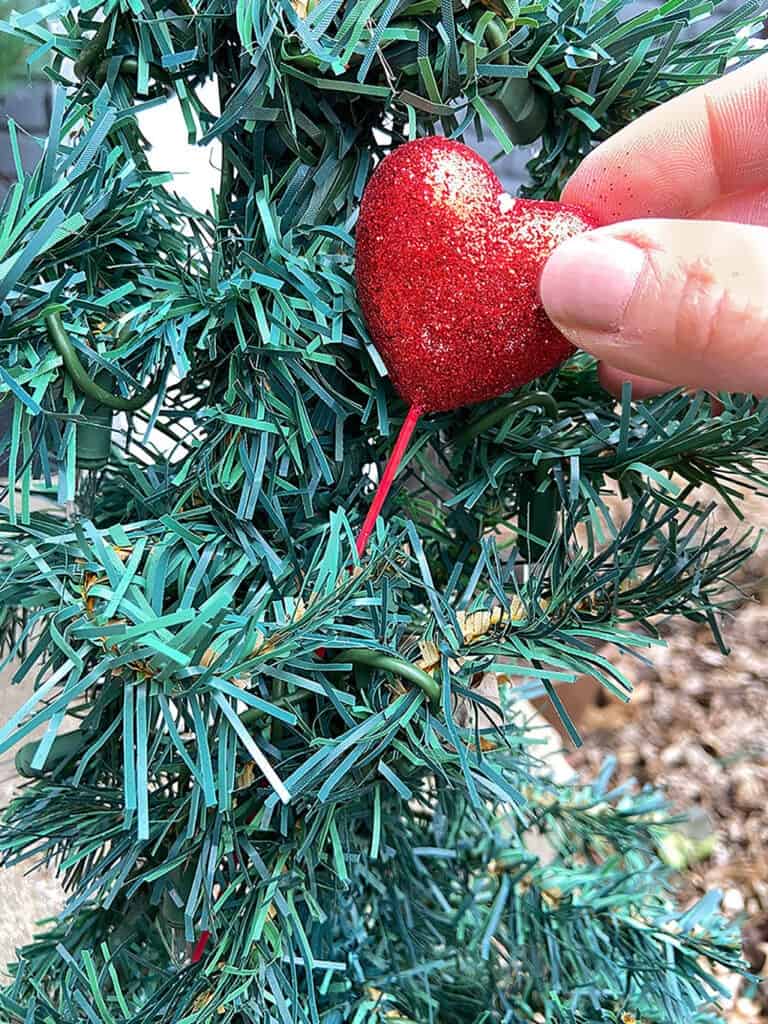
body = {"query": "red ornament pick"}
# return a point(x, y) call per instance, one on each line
point(447, 268)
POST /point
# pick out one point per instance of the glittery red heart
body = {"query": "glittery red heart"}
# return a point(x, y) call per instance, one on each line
point(447, 270)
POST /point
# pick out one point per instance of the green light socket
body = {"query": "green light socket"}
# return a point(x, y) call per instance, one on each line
point(522, 110)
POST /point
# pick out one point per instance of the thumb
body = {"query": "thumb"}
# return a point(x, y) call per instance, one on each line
point(679, 301)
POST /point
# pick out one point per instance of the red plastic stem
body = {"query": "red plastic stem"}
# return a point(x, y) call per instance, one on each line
point(197, 952)
point(388, 476)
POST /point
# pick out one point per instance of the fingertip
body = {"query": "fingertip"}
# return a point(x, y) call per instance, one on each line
point(587, 283)
point(577, 191)
point(613, 380)
point(614, 183)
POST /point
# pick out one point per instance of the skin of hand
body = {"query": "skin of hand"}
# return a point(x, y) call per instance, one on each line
point(673, 290)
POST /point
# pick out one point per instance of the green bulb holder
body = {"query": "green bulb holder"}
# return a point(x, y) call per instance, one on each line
point(521, 109)
point(94, 437)
point(537, 517)
point(65, 748)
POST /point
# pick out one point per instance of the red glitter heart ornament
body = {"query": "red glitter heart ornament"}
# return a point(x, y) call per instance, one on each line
point(447, 270)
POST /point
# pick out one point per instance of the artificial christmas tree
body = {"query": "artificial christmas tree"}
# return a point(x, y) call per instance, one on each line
point(269, 772)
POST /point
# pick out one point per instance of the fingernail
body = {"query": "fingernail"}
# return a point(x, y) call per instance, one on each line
point(588, 281)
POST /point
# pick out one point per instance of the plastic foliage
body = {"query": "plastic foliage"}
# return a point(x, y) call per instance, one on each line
point(265, 772)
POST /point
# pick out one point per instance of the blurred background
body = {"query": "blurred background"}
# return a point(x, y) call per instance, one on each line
point(698, 722)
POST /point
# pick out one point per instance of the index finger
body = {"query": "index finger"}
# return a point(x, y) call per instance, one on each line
point(681, 157)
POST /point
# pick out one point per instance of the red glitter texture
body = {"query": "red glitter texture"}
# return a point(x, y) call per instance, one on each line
point(447, 270)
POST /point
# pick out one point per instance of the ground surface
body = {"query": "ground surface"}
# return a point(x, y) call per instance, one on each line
point(698, 725)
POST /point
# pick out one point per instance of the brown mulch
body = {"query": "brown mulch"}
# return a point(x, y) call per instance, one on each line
point(697, 725)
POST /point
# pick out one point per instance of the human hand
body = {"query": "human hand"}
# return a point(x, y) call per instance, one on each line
point(682, 298)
